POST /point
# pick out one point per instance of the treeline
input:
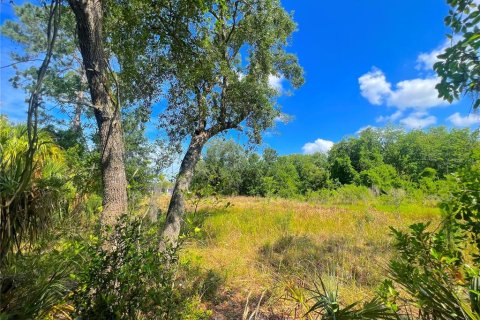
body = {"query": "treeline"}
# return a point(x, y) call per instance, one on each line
point(381, 159)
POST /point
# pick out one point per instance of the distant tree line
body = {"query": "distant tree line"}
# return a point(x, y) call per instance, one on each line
point(381, 159)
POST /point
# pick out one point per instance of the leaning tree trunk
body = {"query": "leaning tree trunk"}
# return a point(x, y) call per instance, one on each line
point(176, 209)
point(89, 20)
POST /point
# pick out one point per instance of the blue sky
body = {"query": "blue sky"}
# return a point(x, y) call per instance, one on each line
point(366, 63)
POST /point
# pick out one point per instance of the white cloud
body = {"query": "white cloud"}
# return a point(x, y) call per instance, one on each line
point(276, 82)
point(319, 145)
point(467, 121)
point(391, 118)
point(418, 120)
point(374, 86)
point(426, 60)
point(416, 93)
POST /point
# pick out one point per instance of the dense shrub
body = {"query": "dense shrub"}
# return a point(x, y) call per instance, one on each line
point(37, 285)
point(343, 171)
point(134, 280)
point(384, 177)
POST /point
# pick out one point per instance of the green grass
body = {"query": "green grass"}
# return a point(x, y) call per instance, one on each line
point(259, 244)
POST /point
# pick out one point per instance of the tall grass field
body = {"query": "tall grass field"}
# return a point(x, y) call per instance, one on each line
point(266, 248)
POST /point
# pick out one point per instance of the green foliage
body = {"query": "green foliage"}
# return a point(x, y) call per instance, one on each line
point(343, 171)
point(352, 194)
point(134, 280)
point(64, 84)
point(436, 282)
point(384, 177)
point(463, 205)
point(29, 213)
point(222, 167)
point(139, 165)
point(388, 159)
point(285, 179)
point(312, 171)
point(435, 274)
point(252, 176)
point(459, 67)
point(37, 285)
point(231, 49)
point(322, 302)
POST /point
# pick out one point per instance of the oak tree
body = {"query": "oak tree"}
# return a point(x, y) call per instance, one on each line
point(219, 81)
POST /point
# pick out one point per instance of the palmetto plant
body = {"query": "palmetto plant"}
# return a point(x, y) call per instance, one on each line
point(428, 281)
point(323, 303)
point(24, 214)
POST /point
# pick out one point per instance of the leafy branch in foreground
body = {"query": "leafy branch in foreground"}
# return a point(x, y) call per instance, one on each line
point(459, 65)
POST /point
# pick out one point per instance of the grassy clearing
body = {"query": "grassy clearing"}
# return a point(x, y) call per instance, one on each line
point(258, 244)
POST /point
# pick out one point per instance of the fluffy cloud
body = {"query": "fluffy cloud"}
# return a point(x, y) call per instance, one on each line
point(418, 120)
point(276, 82)
point(374, 86)
point(467, 121)
point(319, 145)
point(416, 93)
point(426, 60)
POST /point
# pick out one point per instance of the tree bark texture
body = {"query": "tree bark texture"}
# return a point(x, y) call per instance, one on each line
point(89, 20)
point(176, 208)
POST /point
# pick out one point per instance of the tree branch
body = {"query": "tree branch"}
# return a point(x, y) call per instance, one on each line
point(18, 62)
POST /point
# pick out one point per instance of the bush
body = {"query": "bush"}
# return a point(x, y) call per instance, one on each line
point(384, 177)
point(37, 285)
point(430, 277)
point(345, 194)
point(134, 280)
point(343, 171)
